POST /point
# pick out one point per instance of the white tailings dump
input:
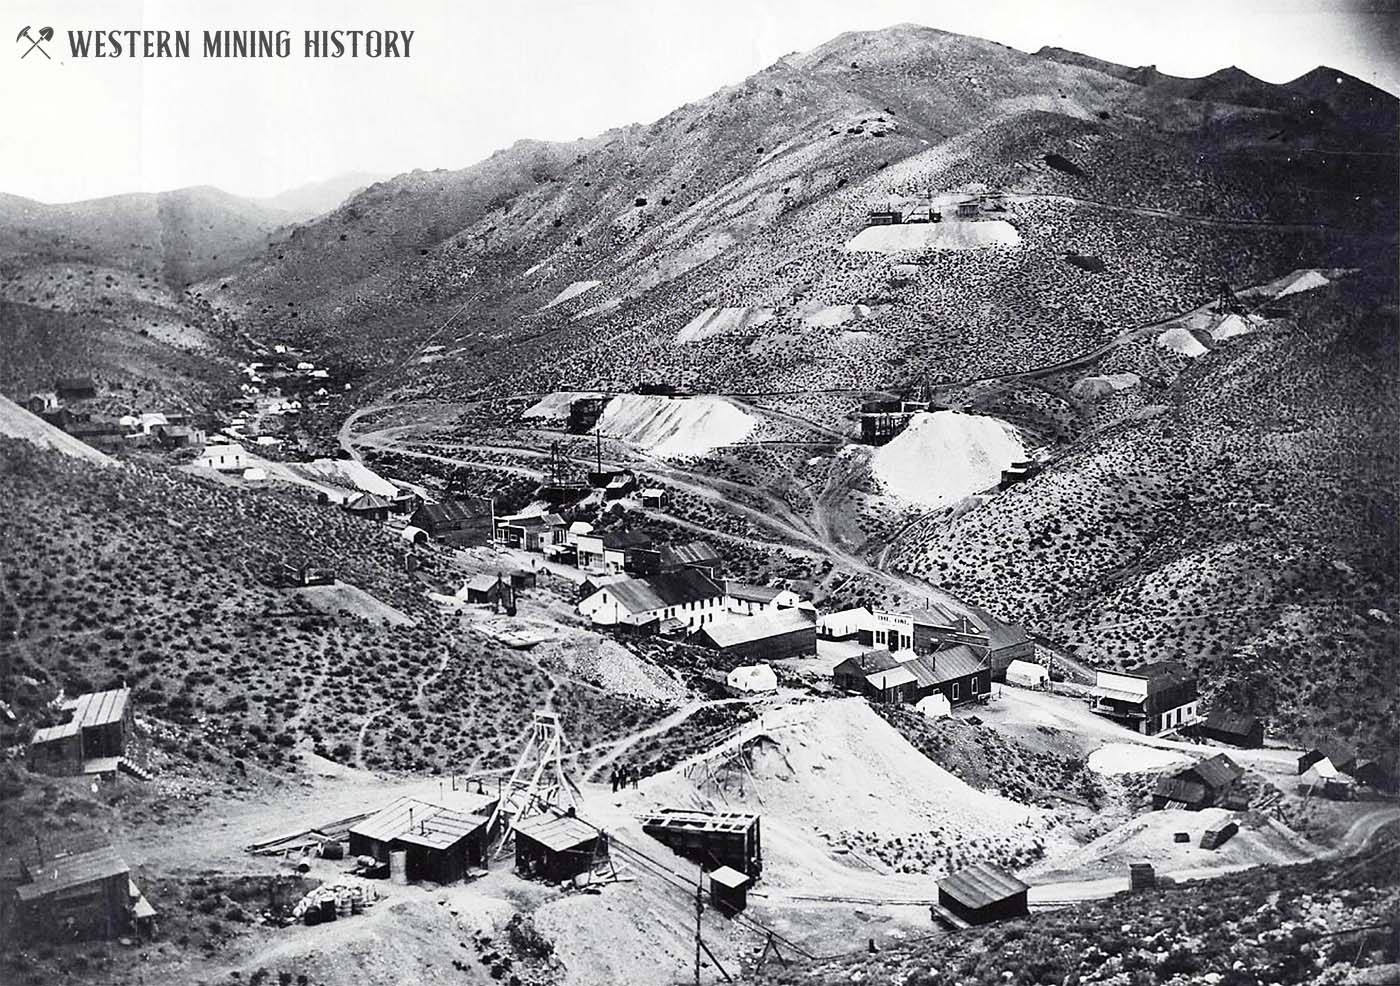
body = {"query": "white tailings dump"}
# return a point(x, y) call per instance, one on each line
point(716, 321)
point(1182, 341)
point(945, 456)
point(823, 318)
point(675, 427)
point(573, 291)
point(1130, 758)
point(950, 235)
point(1303, 281)
point(1231, 326)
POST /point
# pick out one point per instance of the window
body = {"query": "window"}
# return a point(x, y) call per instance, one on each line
point(955, 691)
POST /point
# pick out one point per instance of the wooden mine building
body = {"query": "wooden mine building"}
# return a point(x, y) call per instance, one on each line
point(884, 415)
point(441, 843)
point(1203, 785)
point(94, 738)
point(980, 894)
point(76, 894)
point(1236, 728)
point(584, 413)
point(556, 847)
point(458, 522)
point(710, 838)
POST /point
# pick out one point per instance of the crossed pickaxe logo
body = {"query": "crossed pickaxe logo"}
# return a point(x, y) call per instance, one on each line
point(45, 34)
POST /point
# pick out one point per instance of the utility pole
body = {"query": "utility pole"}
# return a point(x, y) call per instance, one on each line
point(699, 909)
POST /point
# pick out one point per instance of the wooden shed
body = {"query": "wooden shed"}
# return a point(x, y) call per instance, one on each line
point(74, 895)
point(369, 506)
point(98, 727)
point(1201, 785)
point(1236, 728)
point(729, 890)
point(982, 893)
point(441, 843)
point(556, 848)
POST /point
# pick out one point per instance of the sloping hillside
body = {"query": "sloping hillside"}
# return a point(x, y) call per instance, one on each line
point(177, 237)
point(1235, 514)
point(746, 198)
point(173, 575)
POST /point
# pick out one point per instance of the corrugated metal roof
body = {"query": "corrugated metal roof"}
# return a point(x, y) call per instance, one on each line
point(980, 885)
point(423, 823)
point(448, 512)
point(558, 834)
point(53, 875)
point(760, 626)
point(689, 553)
point(945, 665)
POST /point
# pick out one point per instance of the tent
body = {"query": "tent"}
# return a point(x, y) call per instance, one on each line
point(935, 706)
point(753, 678)
point(1027, 674)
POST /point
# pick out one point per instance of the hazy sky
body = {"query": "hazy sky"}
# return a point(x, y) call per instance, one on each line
point(483, 75)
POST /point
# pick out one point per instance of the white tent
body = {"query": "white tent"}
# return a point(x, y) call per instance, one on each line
point(935, 706)
point(753, 678)
point(1026, 674)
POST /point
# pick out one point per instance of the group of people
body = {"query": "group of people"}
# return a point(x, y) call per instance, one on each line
point(625, 775)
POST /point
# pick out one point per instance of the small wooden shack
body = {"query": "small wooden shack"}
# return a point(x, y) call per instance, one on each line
point(556, 847)
point(1236, 728)
point(77, 894)
point(982, 893)
point(97, 727)
point(729, 890)
point(1201, 785)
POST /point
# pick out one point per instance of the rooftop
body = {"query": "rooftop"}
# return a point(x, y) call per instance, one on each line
point(945, 665)
point(702, 821)
point(73, 870)
point(660, 591)
point(981, 885)
point(557, 833)
point(746, 629)
point(92, 709)
point(423, 823)
point(689, 553)
point(751, 593)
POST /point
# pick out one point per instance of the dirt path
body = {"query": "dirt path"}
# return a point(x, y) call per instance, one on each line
point(418, 692)
point(622, 746)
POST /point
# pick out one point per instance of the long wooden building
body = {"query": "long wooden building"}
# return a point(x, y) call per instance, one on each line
point(441, 843)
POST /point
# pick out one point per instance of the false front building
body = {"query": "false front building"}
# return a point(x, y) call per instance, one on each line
point(1149, 699)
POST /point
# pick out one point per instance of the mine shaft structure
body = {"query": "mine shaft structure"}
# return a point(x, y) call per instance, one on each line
point(538, 782)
